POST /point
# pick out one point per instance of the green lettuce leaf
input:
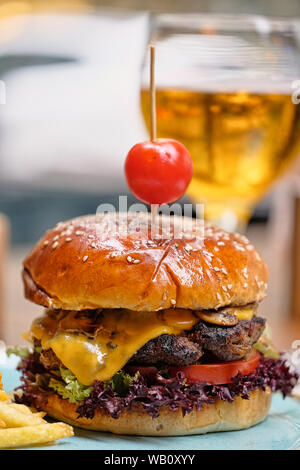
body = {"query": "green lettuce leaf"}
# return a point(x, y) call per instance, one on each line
point(121, 381)
point(70, 388)
point(264, 345)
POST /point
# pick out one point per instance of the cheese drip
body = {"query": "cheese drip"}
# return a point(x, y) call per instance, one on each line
point(244, 313)
point(119, 335)
point(95, 347)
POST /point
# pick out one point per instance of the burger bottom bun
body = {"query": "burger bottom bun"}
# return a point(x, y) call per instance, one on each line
point(220, 416)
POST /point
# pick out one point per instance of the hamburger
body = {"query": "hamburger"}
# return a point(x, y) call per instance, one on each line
point(148, 335)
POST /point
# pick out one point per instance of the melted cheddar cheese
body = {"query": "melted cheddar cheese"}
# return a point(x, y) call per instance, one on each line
point(119, 335)
point(95, 347)
point(244, 313)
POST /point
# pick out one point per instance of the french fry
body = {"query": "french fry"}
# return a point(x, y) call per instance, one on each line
point(23, 408)
point(4, 396)
point(31, 435)
point(2, 424)
point(15, 418)
point(27, 410)
point(22, 426)
point(42, 414)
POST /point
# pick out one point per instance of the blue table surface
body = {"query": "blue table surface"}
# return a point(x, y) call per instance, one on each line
point(280, 431)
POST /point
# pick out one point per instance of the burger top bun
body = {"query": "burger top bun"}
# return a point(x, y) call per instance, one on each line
point(113, 261)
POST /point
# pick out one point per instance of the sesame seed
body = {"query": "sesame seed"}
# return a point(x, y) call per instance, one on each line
point(229, 286)
point(136, 261)
point(79, 232)
point(91, 237)
point(238, 247)
point(188, 247)
point(68, 239)
point(218, 296)
point(55, 244)
point(93, 245)
point(245, 273)
point(129, 259)
point(56, 238)
point(84, 258)
point(46, 242)
point(221, 243)
point(246, 285)
point(173, 301)
point(207, 253)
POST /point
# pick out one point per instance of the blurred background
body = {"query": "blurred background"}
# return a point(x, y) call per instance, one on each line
point(74, 99)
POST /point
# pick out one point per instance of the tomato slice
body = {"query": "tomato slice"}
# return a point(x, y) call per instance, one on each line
point(220, 372)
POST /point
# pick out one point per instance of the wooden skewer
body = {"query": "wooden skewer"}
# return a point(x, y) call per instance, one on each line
point(152, 94)
point(154, 218)
point(154, 207)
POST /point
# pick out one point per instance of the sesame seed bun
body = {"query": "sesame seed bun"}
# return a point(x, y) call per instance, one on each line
point(88, 263)
point(220, 416)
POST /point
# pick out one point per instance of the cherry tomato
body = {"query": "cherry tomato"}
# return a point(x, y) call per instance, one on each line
point(158, 172)
point(220, 372)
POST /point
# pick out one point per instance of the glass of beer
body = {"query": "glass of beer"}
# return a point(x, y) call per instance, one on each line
point(225, 88)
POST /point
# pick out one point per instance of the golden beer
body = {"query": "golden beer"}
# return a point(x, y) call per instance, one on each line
point(240, 142)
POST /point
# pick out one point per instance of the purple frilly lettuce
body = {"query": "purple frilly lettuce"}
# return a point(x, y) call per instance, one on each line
point(157, 391)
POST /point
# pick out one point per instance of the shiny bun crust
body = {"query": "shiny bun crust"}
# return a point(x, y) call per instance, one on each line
point(92, 262)
point(220, 416)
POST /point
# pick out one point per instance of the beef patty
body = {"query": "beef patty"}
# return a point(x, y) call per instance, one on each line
point(168, 349)
point(227, 343)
